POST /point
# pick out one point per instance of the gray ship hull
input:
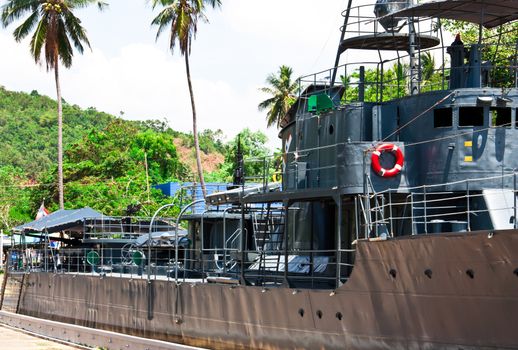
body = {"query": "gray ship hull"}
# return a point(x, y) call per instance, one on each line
point(444, 291)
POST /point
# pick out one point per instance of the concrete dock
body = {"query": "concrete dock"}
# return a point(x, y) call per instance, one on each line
point(16, 340)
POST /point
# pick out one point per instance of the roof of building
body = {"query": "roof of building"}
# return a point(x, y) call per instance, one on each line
point(489, 13)
point(63, 219)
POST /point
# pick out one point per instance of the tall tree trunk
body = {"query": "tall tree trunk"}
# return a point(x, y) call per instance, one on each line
point(60, 137)
point(195, 128)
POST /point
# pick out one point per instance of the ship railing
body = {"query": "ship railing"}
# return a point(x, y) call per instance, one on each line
point(262, 170)
point(390, 77)
point(101, 262)
point(312, 268)
point(189, 193)
point(199, 260)
point(299, 173)
point(435, 209)
point(230, 247)
point(122, 227)
point(363, 21)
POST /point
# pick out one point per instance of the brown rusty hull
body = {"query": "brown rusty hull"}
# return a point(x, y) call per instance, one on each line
point(422, 292)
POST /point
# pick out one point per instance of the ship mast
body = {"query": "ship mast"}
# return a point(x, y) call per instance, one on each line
point(414, 70)
point(342, 36)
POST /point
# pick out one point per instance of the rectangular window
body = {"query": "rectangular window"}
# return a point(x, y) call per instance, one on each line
point(500, 117)
point(442, 118)
point(471, 116)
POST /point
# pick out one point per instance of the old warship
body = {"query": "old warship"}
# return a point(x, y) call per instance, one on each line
point(394, 225)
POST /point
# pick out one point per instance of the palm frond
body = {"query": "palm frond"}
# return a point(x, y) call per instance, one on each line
point(15, 9)
point(163, 20)
point(213, 3)
point(64, 48)
point(72, 4)
point(266, 104)
point(72, 26)
point(23, 30)
point(267, 90)
point(38, 40)
point(182, 19)
point(163, 3)
point(57, 32)
point(282, 91)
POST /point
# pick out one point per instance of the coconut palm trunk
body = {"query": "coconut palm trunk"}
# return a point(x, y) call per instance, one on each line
point(195, 129)
point(60, 136)
point(57, 32)
point(182, 18)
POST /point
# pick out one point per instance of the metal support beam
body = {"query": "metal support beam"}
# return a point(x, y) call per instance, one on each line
point(338, 243)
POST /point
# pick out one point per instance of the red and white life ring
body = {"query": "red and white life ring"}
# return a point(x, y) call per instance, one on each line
point(375, 160)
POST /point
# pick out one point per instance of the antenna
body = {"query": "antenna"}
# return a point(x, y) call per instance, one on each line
point(239, 170)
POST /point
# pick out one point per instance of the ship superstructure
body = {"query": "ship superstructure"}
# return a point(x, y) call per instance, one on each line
point(392, 223)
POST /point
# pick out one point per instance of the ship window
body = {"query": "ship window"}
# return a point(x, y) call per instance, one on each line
point(471, 116)
point(442, 118)
point(500, 117)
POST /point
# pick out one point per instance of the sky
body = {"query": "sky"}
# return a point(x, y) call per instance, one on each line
point(129, 73)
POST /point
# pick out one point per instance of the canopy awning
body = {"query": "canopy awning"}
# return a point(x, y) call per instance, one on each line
point(489, 13)
point(63, 219)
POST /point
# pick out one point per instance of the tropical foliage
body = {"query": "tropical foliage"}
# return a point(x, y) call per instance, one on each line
point(105, 158)
point(392, 83)
point(109, 169)
point(379, 86)
point(56, 30)
point(181, 18)
point(255, 153)
point(283, 93)
point(14, 197)
point(29, 129)
point(499, 48)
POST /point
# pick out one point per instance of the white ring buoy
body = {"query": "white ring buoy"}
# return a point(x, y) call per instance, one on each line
point(375, 160)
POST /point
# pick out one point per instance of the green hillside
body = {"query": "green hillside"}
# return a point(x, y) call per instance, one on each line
point(28, 125)
point(105, 158)
point(108, 161)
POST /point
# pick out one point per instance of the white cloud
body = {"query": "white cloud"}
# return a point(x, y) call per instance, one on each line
point(18, 70)
point(231, 58)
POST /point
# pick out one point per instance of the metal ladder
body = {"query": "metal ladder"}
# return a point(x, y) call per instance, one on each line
point(268, 225)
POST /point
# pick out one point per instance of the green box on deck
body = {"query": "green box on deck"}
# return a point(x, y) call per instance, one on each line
point(319, 103)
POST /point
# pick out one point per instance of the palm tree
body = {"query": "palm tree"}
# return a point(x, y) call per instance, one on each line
point(181, 16)
point(427, 66)
point(57, 29)
point(283, 94)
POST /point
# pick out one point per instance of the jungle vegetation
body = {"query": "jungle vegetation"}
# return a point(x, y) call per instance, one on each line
point(104, 161)
point(56, 32)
